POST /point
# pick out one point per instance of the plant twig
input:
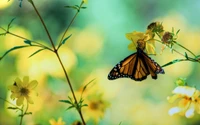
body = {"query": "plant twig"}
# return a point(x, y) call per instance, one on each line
point(56, 52)
point(69, 25)
point(70, 85)
point(45, 27)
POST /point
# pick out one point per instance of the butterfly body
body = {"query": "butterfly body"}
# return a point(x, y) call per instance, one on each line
point(136, 66)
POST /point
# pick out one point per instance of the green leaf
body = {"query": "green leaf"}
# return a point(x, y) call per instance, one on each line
point(70, 98)
point(120, 123)
point(13, 108)
point(27, 42)
point(65, 101)
point(70, 107)
point(83, 7)
point(10, 50)
point(3, 34)
point(77, 6)
point(28, 113)
point(87, 85)
point(177, 32)
point(36, 52)
point(73, 7)
point(63, 42)
point(84, 105)
point(20, 3)
point(172, 62)
point(9, 25)
point(172, 29)
point(186, 56)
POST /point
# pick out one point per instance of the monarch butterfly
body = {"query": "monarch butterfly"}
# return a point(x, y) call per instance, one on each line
point(137, 66)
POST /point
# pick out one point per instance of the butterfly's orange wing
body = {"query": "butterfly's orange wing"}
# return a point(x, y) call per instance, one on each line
point(137, 66)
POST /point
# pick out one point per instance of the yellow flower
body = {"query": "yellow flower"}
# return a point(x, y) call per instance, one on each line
point(54, 122)
point(189, 101)
point(96, 107)
point(22, 89)
point(142, 40)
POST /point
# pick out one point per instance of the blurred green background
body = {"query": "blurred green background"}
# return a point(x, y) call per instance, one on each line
point(97, 44)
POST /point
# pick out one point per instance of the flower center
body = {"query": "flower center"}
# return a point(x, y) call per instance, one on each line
point(24, 91)
point(95, 105)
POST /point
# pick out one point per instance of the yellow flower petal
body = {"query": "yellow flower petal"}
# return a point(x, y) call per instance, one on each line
point(25, 81)
point(54, 122)
point(197, 106)
point(132, 46)
point(32, 84)
point(29, 99)
point(150, 48)
point(184, 103)
point(173, 98)
point(13, 88)
point(18, 82)
point(15, 95)
point(20, 100)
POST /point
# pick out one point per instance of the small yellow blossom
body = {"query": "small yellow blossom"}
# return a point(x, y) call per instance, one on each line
point(142, 40)
point(189, 101)
point(96, 107)
point(54, 122)
point(22, 89)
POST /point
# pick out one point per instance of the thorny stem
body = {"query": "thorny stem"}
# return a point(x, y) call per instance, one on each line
point(69, 25)
point(56, 52)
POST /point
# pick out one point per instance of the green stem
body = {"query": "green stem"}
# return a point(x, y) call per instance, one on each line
point(177, 44)
point(184, 48)
point(69, 25)
point(70, 85)
point(22, 115)
point(56, 52)
point(45, 27)
point(9, 102)
point(38, 44)
point(170, 47)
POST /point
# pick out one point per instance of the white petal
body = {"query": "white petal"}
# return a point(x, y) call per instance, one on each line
point(189, 113)
point(184, 90)
point(174, 110)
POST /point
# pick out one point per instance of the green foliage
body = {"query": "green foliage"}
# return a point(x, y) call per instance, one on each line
point(73, 104)
point(27, 42)
point(76, 7)
point(12, 49)
point(36, 52)
point(63, 42)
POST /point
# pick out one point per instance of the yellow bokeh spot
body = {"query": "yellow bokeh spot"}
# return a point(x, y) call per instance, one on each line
point(5, 3)
point(10, 41)
point(88, 42)
point(45, 62)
